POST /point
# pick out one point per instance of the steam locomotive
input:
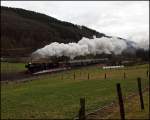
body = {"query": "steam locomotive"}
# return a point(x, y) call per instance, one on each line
point(44, 67)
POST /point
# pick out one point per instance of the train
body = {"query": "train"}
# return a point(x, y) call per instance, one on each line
point(47, 67)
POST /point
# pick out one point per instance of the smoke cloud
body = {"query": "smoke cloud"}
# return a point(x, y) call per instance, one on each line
point(85, 46)
point(143, 44)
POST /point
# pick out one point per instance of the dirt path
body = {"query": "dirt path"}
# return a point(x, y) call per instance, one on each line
point(103, 113)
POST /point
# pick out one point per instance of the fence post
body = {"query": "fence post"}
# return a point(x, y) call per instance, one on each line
point(62, 77)
point(82, 109)
point(124, 76)
point(119, 92)
point(74, 76)
point(147, 73)
point(105, 76)
point(88, 76)
point(140, 92)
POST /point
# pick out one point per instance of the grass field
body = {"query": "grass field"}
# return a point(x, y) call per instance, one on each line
point(7, 67)
point(133, 109)
point(57, 95)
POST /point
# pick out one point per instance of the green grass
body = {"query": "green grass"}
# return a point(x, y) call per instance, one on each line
point(7, 67)
point(134, 106)
point(54, 97)
point(133, 109)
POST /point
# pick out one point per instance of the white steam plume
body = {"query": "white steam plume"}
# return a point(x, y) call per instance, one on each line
point(143, 44)
point(84, 47)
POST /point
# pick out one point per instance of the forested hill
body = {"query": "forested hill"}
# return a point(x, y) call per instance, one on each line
point(24, 31)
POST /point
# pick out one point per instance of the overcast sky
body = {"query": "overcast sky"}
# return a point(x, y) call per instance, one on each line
point(126, 19)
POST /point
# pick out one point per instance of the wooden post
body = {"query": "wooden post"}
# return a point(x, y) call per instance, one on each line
point(124, 75)
point(147, 73)
point(62, 77)
point(82, 109)
point(88, 76)
point(119, 92)
point(7, 72)
point(74, 76)
point(105, 76)
point(140, 92)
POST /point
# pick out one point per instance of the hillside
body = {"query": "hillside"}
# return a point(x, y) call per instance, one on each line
point(23, 31)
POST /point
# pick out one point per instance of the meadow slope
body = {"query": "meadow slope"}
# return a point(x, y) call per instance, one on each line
point(57, 95)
